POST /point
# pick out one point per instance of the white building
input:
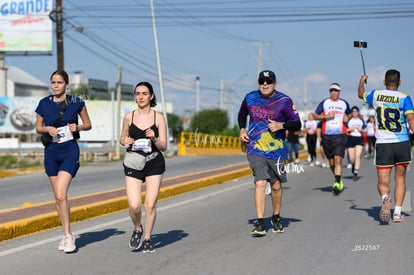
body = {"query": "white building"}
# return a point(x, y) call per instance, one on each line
point(21, 83)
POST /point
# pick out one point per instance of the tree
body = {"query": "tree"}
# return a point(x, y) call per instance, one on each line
point(175, 124)
point(210, 121)
point(81, 91)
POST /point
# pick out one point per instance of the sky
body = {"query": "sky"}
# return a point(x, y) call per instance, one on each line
point(307, 43)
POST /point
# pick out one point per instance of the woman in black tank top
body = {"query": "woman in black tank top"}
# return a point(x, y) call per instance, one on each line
point(144, 132)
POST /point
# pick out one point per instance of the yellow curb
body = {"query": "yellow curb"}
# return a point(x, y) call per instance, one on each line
point(51, 220)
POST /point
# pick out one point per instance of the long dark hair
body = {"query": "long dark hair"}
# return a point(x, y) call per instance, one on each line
point(153, 101)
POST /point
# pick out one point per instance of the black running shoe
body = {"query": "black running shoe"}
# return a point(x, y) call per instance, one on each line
point(277, 225)
point(135, 240)
point(259, 229)
point(147, 246)
point(355, 178)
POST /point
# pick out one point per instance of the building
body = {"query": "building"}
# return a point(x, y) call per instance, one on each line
point(21, 83)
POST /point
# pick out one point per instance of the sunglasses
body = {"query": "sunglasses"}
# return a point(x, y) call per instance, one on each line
point(267, 80)
point(334, 90)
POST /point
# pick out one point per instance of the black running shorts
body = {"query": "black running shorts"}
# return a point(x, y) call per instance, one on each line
point(334, 145)
point(389, 154)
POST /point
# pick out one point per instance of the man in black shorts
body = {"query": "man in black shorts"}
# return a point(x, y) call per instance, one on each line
point(332, 111)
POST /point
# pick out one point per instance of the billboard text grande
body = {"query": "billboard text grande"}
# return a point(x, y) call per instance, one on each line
point(25, 7)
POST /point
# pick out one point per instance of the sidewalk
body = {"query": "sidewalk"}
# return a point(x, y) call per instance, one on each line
point(43, 216)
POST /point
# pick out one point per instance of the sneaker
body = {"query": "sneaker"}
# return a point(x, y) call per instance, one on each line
point(317, 163)
point(355, 177)
point(277, 225)
point(312, 164)
point(349, 166)
point(268, 189)
point(325, 165)
point(385, 213)
point(61, 246)
point(296, 161)
point(337, 187)
point(147, 246)
point(259, 229)
point(135, 240)
point(397, 218)
point(69, 244)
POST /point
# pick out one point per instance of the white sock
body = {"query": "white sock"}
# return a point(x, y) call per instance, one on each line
point(397, 210)
point(384, 196)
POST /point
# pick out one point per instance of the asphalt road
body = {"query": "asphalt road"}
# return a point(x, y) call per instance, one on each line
point(96, 177)
point(208, 232)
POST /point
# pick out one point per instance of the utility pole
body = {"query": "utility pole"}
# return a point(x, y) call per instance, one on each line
point(198, 93)
point(59, 36)
point(118, 113)
point(260, 45)
point(157, 52)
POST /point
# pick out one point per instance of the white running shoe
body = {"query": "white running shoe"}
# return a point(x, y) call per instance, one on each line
point(268, 189)
point(349, 166)
point(69, 244)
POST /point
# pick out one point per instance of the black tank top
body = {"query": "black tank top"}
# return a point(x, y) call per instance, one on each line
point(137, 133)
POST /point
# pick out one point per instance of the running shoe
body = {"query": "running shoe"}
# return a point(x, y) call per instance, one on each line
point(355, 177)
point(349, 166)
point(147, 246)
point(385, 213)
point(337, 187)
point(69, 245)
point(397, 218)
point(259, 229)
point(135, 240)
point(277, 225)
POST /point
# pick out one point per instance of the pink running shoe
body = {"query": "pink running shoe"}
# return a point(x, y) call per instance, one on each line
point(397, 218)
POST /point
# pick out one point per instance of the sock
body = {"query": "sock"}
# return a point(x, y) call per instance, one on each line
point(397, 210)
point(276, 216)
point(353, 168)
point(383, 197)
point(356, 171)
point(337, 178)
point(260, 221)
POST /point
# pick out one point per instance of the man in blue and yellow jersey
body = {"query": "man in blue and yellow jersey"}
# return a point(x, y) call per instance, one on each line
point(394, 110)
point(270, 113)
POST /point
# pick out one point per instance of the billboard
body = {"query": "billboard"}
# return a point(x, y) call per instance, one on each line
point(25, 25)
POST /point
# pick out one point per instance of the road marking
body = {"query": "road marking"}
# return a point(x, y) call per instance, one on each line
point(107, 224)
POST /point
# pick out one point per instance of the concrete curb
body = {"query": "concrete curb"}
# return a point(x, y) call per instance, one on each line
point(51, 220)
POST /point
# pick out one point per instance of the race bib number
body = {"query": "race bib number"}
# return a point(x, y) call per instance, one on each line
point(142, 144)
point(64, 134)
point(333, 124)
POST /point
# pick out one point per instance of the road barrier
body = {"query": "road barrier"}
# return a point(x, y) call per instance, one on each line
point(197, 144)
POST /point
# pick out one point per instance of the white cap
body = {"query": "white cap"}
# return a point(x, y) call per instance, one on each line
point(335, 86)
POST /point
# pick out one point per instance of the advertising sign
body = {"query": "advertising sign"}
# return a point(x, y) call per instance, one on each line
point(25, 25)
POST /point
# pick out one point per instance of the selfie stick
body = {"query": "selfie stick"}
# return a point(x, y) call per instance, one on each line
point(361, 44)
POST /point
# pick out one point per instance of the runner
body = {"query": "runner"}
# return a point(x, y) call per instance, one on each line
point(355, 143)
point(332, 111)
point(271, 113)
point(394, 110)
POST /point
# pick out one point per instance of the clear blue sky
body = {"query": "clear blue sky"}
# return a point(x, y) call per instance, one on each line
point(304, 42)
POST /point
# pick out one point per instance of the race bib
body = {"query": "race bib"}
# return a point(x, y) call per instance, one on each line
point(142, 144)
point(333, 123)
point(64, 134)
